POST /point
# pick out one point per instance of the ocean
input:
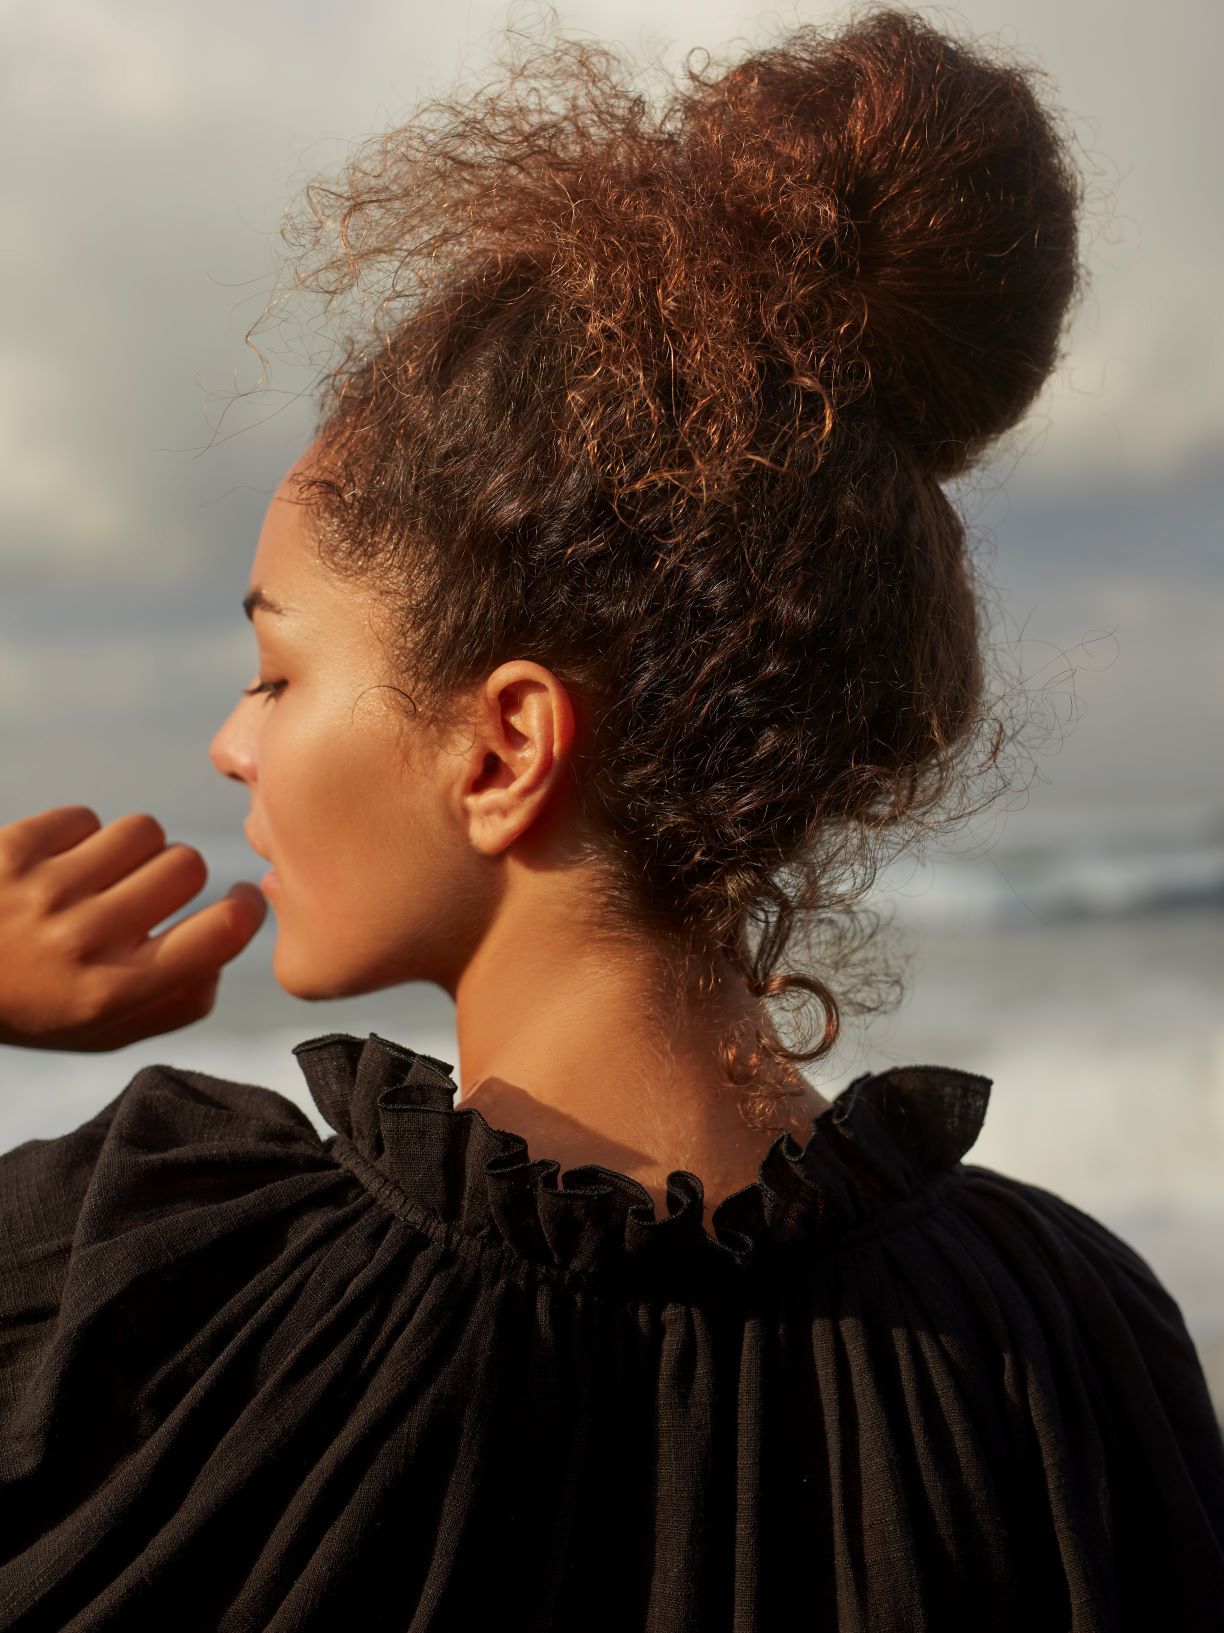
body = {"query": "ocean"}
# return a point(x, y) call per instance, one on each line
point(1078, 963)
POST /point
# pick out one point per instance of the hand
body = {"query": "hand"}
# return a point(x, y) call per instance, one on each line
point(78, 968)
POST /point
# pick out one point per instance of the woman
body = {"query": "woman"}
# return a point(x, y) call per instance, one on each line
point(612, 625)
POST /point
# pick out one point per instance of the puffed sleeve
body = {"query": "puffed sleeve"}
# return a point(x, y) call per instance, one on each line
point(117, 1242)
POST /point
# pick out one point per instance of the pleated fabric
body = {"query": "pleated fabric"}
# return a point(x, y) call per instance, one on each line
point(401, 1378)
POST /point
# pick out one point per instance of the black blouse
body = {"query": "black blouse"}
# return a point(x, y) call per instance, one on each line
point(256, 1381)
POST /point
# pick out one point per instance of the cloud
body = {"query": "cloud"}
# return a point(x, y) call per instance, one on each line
point(63, 503)
point(99, 672)
point(105, 680)
point(113, 59)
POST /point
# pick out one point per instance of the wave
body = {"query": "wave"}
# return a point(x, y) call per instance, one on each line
point(1011, 889)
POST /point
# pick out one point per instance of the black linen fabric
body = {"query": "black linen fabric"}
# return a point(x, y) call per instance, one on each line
point(402, 1378)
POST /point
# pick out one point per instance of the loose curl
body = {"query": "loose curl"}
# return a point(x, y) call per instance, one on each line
point(660, 393)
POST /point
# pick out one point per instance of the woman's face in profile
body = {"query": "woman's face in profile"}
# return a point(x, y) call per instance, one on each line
point(358, 838)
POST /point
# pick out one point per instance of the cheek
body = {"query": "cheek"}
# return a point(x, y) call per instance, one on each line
point(363, 860)
point(316, 788)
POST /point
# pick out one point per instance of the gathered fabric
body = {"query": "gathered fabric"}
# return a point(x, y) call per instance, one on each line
point(408, 1377)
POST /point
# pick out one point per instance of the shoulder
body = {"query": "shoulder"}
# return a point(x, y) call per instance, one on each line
point(172, 1106)
point(172, 1142)
point(1090, 1306)
point(135, 1249)
point(1050, 1240)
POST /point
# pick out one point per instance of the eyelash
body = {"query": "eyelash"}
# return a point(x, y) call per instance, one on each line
point(274, 687)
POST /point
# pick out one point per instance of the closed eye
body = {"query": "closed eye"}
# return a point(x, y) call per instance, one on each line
point(274, 687)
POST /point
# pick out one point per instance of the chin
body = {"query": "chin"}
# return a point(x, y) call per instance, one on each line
point(313, 983)
point(295, 976)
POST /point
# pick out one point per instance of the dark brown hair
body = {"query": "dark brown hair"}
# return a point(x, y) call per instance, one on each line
point(660, 393)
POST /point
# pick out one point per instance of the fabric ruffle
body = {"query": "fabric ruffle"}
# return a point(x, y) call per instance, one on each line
point(888, 1146)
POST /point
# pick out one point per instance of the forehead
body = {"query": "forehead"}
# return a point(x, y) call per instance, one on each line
point(285, 518)
point(288, 572)
point(284, 568)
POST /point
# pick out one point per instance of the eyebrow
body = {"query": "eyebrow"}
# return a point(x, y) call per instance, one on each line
point(256, 598)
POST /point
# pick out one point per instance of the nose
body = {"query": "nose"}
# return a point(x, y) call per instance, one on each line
point(231, 750)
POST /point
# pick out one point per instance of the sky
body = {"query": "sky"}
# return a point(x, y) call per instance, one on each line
point(152, 150)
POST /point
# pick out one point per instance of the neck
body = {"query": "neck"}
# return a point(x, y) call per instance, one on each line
point(585, 1047)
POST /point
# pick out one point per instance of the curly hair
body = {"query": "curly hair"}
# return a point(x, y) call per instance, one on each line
point(660, 393)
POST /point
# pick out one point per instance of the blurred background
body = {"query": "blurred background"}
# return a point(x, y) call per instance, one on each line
point(1070, 946)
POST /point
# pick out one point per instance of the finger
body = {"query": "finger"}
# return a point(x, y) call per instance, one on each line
point(123, 915)
point(29, 839)
point(104, 858)
point(192, 950)
point(168, 1013)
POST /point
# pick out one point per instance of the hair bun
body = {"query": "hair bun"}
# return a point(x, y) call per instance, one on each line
point(931, 199)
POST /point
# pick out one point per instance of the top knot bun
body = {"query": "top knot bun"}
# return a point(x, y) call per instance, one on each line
point(868, 234)
point(926, 195)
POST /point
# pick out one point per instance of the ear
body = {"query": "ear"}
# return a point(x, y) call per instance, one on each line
point(515, 773)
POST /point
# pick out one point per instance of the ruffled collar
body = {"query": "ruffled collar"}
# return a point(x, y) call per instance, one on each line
point(885, 1148)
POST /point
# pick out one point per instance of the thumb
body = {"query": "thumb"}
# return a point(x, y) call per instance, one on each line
point(253, 906)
